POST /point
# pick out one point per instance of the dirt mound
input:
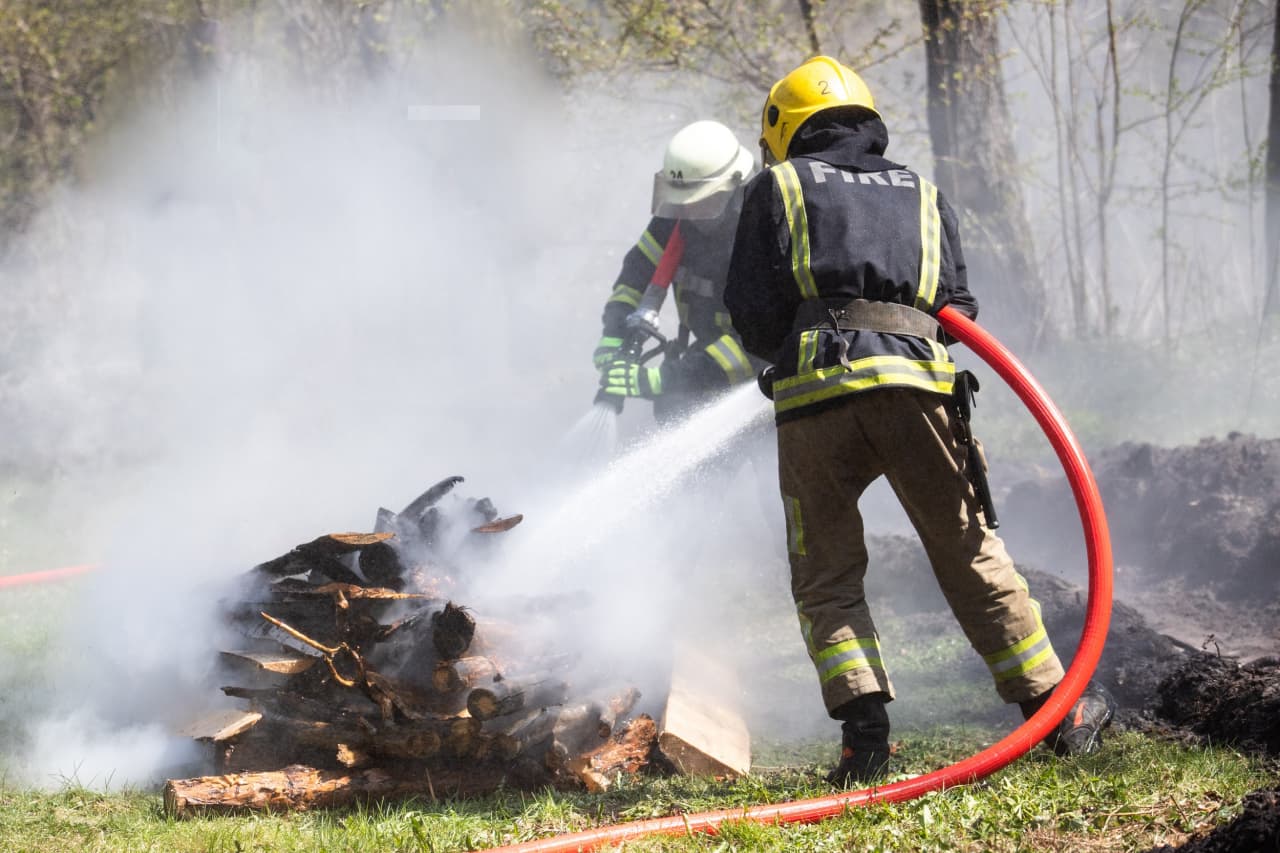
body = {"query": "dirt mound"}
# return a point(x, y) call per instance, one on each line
point(1134, 661)
point(1225, 702)
point(1209, 513)
point(1256, 830)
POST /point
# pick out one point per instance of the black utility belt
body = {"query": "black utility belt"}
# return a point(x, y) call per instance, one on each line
point(865, 315)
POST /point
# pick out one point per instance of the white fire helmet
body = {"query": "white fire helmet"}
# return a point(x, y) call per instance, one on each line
point(703, 166)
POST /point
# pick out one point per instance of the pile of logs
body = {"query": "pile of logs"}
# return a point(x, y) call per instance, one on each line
point(357, 678)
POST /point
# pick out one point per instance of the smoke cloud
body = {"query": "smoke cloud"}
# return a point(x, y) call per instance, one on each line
point(269, 310)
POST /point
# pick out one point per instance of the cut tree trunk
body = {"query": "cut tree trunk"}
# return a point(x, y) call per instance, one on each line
point(626, 753)
point(417, 740)
point(578, 729)
point(512, 695)
point(462, 674)
point(299, 788)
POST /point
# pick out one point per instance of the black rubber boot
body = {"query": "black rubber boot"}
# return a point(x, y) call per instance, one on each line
point(1080, 731)
point(864, 741)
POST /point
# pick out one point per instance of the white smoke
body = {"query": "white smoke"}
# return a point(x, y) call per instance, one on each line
point(264, 314)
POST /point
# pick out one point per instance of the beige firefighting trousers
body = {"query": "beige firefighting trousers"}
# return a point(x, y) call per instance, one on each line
point(825, 462)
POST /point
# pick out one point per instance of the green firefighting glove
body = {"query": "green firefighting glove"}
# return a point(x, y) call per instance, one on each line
point(606, 351)
point(628, 379)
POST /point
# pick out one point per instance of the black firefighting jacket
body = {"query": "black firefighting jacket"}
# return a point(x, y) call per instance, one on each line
point(714, 357)
point(837, 221)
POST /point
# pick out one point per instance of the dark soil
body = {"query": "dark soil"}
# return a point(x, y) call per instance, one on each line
point(1134, 660)
point(1209, 513)
point(1225, 702)
point(1256, 830)
point(1163, 686)
point(1195, 535)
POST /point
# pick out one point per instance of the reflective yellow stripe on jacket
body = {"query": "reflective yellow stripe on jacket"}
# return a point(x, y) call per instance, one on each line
point(650, 247)
point(626, 295)
point(825, 383)
point(930, 246)
point(732, 358)
point(798, 222)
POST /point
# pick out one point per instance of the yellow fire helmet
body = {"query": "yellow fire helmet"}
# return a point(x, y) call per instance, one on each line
point(819, 84)
point(702, 167)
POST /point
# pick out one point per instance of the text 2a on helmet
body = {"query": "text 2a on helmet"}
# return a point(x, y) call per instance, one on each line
point(702, 168)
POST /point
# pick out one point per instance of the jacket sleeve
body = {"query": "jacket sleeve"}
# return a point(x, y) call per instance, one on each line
point(719, 364)
point(958, 292)
point(637, 271)
point(760, 292)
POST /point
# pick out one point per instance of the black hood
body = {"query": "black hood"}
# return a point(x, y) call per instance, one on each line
point(852, 137)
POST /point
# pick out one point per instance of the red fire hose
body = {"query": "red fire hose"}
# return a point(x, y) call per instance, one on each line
point(1013, 746)
point(43, 577)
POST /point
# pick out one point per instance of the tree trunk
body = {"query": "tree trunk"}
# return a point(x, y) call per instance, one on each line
point(976, 167)
point(810, 25)
point(298, 787)
point(1272, 243)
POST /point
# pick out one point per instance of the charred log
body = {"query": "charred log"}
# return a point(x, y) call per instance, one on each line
point(452, 630)
point(430, 498)
point(381, 565)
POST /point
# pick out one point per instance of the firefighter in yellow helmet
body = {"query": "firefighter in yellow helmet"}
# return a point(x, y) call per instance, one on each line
point(842, 258)
point(704, 169)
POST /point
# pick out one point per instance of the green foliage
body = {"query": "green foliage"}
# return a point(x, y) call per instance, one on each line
point(741, 44)
point(57, 62)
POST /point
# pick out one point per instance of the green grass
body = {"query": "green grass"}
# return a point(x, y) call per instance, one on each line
point(1138, 793)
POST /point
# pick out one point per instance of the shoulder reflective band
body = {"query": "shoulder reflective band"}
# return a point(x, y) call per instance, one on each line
point(649, 247)
point(930, 246)
point(798, 223)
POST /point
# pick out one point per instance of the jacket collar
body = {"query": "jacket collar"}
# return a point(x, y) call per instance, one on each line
point(851, 142)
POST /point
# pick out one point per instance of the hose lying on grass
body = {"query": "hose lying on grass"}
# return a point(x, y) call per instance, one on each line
point(1014, 745)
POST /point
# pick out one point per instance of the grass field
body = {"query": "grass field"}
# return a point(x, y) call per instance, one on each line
point(1138, 793)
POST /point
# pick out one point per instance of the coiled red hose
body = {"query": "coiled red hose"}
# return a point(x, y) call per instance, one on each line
point(1013, 746)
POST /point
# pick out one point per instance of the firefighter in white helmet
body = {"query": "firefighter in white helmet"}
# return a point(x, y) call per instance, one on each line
point(699, 186)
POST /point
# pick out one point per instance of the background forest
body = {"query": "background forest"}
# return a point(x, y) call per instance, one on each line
point(214, 212)
point(1110, 158)
point(267, 265)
